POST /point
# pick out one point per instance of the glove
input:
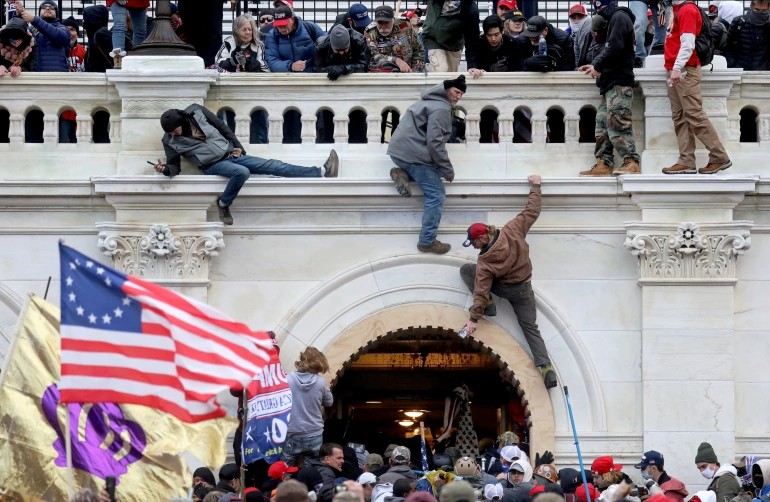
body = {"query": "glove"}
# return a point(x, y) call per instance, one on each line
point(545, 458)
point(335, 72)
point(501, 65)
point(540, 62)
point(346, 69)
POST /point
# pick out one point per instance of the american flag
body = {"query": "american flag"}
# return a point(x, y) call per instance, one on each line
point(423, 448)
point(125, 340)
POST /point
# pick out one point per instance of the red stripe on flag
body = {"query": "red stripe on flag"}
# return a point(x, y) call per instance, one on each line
point(151, 328)
point(131, 351)
point(81, 370)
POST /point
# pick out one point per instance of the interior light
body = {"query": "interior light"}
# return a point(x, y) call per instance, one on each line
point(406, 423)
point(373, 402)
point(413, 414)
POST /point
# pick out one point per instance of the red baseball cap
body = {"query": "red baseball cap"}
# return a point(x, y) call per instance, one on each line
point(279, 470)
point(508, 4)
point(278, 3)
point(580, 493)
point(603, 465)
point(578, 9)
point(474, 232)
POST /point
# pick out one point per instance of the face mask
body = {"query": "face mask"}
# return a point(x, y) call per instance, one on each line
point(708, 473)
point(575, 25)
point(645, 474)
point(761, 15)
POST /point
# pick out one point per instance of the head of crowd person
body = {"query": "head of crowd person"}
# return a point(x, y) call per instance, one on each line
point(251, 494)
point(203, 475)
point(651, 465)
point(265, 17)
point(593, 493)
point(466, 467)
point(384, 17)
point(760, 12)
point(403, 487)
point(339, 39)
point(455, 89)
point(281, 471)
point(515, 23)
point(48, 11)
point(311, 360)
point(504, 7)
point(400, 456)
point(175, 122)
point(16, 34)
point(230, 474)
point(599, 29)
point(545, 474)
point(577, 16)
point(358, 17)
point(282, 3)
point(373, 462)
point(367, 481)
point(493, 492)
point(284, 20)
point(72, 24)
point(442, 461)
point(493, 30)
point(332, 455)
point(457, 491)
point(480, 235)
point(706, 461)
point(601, 5)
point(603, 465)
point(517, 472)
point(244, 29)
point(291, 491)
point(536, 26)
point(176, 21)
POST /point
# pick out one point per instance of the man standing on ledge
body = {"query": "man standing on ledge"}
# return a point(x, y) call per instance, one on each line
point(198, 135)
point(690, 121)
point(504, 268)
point(418, 148)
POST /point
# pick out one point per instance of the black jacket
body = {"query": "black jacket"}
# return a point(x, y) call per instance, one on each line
point(505, 57)
point(616, 60)
point(356, 60)
point(328, 475)
point(561, 52)
point(748, 45)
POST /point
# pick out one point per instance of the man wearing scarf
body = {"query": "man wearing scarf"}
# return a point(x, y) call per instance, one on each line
point(748, 39)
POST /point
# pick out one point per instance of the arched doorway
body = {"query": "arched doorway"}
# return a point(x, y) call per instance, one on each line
point(411, 371)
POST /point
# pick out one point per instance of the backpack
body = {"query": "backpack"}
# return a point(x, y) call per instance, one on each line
point(704, 42)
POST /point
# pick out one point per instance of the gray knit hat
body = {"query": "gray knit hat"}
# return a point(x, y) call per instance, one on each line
point(706, 454)
point(340, 38)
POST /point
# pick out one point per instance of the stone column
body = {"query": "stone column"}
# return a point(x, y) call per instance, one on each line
point(687, 244)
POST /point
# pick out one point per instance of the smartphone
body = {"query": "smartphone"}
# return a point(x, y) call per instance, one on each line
point(110, 485)
point(153, 164)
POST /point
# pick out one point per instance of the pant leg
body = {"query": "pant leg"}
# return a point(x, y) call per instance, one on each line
point(620, 126)
point(67, 131)
point(468, 275)
point(603, 149)
point(119, 25)
point(236, 174)
point(639, 9)
point(684, 136)
point(453, 60)
point(272, 167)
point(522, 299)
point(139, 22)
point(437, 60)
point(432, 187)
point(660, 29)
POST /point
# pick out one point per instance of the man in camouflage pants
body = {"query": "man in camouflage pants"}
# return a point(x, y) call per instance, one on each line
point(613, 69)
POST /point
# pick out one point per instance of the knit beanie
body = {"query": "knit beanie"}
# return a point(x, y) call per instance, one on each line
point(706, 454)
point(171, 119)
point(48, 2)
point(340, 38)
point(458, 83)
point(72, 22)
point(205, 474)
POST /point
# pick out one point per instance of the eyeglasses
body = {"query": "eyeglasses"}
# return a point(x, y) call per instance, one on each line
point(48, 7)
point(265, 19)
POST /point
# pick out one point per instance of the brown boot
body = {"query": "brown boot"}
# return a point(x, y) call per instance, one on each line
point(437, 247)
point(715, 167)
point(630, 166)
point(601, 168)
point(678, 169)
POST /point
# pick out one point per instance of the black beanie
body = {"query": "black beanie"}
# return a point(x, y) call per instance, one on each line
point(71, 21)
point(171, 119)
point(205, 474)
point(459, 83)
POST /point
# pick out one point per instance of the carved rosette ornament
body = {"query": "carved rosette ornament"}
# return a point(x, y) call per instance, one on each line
point(161, 254)
point(689, 254)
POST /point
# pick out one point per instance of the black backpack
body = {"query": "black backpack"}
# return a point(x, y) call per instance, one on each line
point(704, 42)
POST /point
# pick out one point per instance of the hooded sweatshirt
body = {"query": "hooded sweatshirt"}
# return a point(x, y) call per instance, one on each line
point(309, 393)
point(729, 10)
point(616, 60)
point(762, 467)
point(423, 132)
point(725, 483)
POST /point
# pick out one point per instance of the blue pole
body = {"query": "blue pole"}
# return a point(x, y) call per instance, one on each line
point(577, 445)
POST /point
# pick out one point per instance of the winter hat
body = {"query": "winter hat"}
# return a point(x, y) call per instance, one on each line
point(229, 472)
point(758, 471)
point(458, 83)
point(474, 232)
point(569, 479)
point(493, 491)
point(72, 22)
point(465, 466)
point(580, 493)
point(547, 471)
point(603, 465)
point(340, 38)
point(48, 2)
point(457, 491)
point(205, 474)
point(598, 23)
point(171, 119)
point(706, 454)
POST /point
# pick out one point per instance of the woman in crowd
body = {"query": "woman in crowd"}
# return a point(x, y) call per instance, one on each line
point(243, 51)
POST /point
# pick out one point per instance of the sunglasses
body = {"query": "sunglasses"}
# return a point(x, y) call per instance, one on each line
point(265, 19)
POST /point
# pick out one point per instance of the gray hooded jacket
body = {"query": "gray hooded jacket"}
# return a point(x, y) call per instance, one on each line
point(308, 393)
point(423, 132)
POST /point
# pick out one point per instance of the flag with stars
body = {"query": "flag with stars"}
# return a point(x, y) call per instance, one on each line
point(423, 448)
point(125, 340)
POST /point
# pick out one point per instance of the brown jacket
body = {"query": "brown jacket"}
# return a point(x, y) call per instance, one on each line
point(507, 259)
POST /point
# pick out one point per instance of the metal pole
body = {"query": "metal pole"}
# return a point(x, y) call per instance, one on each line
point(577, 444)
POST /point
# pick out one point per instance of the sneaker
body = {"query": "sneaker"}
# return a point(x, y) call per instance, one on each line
point(630, 166)
point(601, 168)
point(715, 167)
point(401, 180)
point(678, 169)
point(117, 58)
point(491, 309)
point(549, 376)
point(437, 247)
point(224, 214)
point(332, 165)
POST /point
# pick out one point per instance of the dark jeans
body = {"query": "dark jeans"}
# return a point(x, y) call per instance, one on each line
point(522, 299)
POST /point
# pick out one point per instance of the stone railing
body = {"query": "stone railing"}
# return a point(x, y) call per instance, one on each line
point(557, 108)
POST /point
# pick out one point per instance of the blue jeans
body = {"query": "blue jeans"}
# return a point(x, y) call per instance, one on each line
point(67, 131)
point(238, 169)
point(639, 8)
point(429, 179)
point(295, 446)
point(120, 25)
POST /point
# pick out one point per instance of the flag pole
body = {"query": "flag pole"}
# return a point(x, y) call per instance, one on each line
point(68, 453)
point(577, 444)
point(244, 421)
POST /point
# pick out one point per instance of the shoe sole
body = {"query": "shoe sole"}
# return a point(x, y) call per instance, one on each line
point(332, 165)
point(726, 166)
point(429, 250)
point(401, 186)
point(693, 171)
point(621, 173)
point(596, 175)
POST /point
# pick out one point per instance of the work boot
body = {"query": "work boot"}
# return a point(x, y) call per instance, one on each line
point(678, 169)
point(332, 165)
point(630, 166)
point(491, 309)
point(601, 168)
point(437, 247)
point(224, 214)
point(401, 180)
point(549, 375)
point(715, 167)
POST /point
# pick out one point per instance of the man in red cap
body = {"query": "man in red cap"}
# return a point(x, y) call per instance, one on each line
point(504, 268)
point(603, 465)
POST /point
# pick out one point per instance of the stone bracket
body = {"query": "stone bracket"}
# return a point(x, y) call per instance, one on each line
point(688, 253)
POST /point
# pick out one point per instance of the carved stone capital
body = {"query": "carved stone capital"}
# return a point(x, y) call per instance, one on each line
point(689, 253)
point(172, 255)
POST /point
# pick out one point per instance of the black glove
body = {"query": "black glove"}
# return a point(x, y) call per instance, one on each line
point(545, 458)
point(540, 62)
point(346, 69)
point(335, 72)
point(501, 65)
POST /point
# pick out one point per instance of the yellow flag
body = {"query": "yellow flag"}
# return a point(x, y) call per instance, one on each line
point(140, 446)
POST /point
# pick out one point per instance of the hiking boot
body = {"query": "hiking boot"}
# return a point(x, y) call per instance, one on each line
point(437, 247)
point(630, 166)
point(401, 180)
point(224, 214)
point(332, 165)
point(601, 168)
point(678, 169)
point(715, 167)
point(491, 309)
point(549, 376)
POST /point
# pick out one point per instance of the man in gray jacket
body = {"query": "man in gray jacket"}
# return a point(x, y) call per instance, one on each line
point(418, 148)
point(198, 135)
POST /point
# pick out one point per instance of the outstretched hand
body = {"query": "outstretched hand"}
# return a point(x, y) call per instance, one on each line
point(545, 458)
point(534, 179)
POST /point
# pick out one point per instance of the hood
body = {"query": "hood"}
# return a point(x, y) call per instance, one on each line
point(760, 472)
point(95, 17)
point(48, 2)
point(727, 468)
point(524, 464)
point(676, 486)
point(569, 479)
point(730, 10)
point(306, 381)
point(16, 28)
point(706, 496)
point(435, 93)
point(382, 490)
point(613, 9)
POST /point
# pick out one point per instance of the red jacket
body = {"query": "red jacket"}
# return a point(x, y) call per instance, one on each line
point(672, 487)
point(687, 19)
point(135, 4)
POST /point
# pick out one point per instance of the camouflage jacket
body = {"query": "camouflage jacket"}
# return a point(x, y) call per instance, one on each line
point(402, 44)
